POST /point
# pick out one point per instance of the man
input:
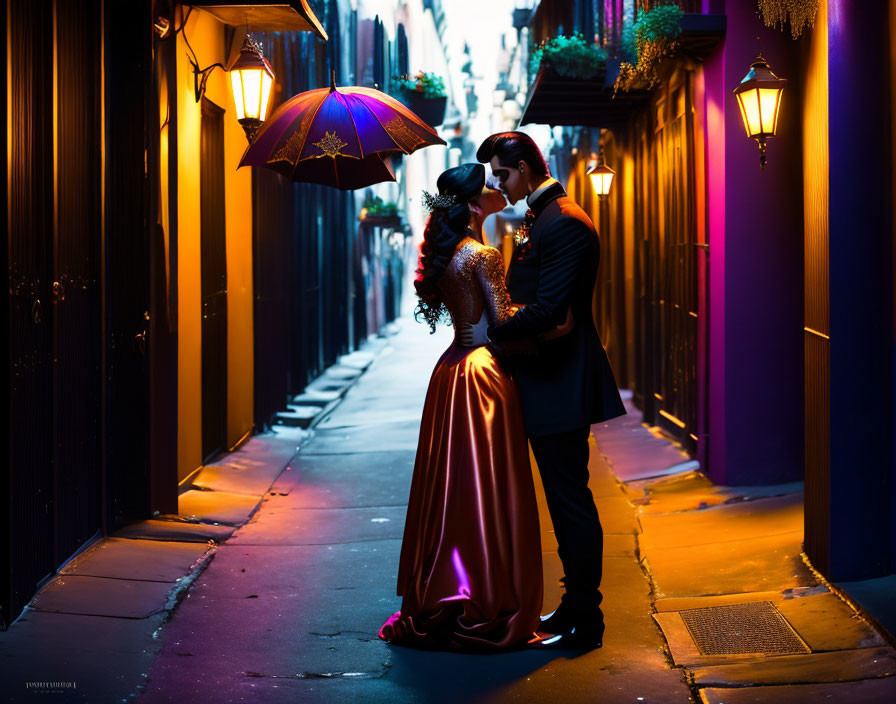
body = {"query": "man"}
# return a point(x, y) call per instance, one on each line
point(568, 384)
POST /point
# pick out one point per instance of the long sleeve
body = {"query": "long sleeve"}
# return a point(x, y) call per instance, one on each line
point(490, 273)
point(565, 247)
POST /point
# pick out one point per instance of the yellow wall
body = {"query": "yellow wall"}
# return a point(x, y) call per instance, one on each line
point(815, 173)
point(207, 38)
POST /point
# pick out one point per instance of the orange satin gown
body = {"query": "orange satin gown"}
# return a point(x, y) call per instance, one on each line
point(470, 572)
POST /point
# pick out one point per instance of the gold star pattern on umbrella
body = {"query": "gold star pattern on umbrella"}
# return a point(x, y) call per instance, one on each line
point(330, 144)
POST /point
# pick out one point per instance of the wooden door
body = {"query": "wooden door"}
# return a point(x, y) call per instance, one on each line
point(76, 290)
point(667, 281)
point(213, 257)
point(677, 286)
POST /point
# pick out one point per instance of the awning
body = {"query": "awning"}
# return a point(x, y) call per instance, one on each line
point(265, 15)
point(555, 100)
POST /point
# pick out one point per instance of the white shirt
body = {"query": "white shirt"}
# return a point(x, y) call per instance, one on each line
point(546, 184)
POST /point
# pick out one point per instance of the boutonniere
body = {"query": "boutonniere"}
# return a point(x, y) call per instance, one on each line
point(521, 235)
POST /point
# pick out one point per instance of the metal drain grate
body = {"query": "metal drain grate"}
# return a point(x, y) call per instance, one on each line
point(742, 629)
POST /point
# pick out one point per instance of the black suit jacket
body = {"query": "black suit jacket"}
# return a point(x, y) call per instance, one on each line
point(569, 384)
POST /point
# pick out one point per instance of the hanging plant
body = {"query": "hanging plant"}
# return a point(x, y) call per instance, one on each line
point(373, 206)
point(800, 13)
point(570, 57)
point(424, 93)
point(655, 35)
point(428, 85)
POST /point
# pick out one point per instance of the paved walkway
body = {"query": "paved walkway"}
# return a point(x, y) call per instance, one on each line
point(742, 610)
point(288, 609)
point(281, 603)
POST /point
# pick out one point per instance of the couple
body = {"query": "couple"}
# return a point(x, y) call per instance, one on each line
point(470, 572)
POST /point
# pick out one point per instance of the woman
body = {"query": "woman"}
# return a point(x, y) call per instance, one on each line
point(470, 569)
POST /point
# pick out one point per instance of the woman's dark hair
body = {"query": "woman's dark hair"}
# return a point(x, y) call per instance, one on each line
point(445, 229)
point(511, 148)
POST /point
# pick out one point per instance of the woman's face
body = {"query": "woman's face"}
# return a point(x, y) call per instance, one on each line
point(489, 201)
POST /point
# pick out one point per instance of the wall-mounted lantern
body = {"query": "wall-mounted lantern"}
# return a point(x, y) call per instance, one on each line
point(251, 78)
point(759, 99)
point(601, 176)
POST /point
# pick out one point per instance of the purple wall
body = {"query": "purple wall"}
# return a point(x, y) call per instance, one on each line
point(756, 268)
point(861, 281)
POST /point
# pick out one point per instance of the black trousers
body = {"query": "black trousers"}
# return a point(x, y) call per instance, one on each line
point(563, 463)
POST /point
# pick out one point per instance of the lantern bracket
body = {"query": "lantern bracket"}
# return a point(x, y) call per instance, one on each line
point(762, 144)
point(200, 75)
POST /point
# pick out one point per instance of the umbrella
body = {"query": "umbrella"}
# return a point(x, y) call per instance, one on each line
point(338, 137)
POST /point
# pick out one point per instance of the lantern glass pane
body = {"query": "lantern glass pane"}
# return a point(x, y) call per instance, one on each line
point(750, 111)
point(768, 98)
point(607, 180)
point(236, 83)
point(266, 83)
point(251, 91)
point(601, 182)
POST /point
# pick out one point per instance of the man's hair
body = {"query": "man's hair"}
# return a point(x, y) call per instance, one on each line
point(511, 148)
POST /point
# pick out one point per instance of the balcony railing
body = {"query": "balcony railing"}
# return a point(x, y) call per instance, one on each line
point(687, 6)
point(612, 14)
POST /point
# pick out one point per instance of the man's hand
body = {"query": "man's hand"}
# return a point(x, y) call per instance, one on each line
point(525, 347)
point(465, 334)
point(563, 329)
point(474, 335)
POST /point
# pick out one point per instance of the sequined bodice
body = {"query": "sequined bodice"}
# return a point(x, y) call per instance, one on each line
point(473, 285)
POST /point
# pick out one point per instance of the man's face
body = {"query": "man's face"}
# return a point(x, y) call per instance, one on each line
point(510, 179)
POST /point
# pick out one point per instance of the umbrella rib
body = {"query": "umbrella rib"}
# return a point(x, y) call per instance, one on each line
point(310, 124)
point(352, 118)
point(380, 122)
point(399, 107)
point(277, 113)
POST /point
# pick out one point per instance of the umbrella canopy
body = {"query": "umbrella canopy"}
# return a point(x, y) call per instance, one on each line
point(338, 136)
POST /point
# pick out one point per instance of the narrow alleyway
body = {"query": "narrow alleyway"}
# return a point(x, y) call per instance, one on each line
point(288, 609)
point(707, 596)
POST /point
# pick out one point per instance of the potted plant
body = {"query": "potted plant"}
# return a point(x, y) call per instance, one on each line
point(570, 57)
point(375, 211)
point(424, 93)
point(653, 36)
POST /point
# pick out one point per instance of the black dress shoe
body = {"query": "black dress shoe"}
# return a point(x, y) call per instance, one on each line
point(572, 612)
point(560, 621)
point(578, 638)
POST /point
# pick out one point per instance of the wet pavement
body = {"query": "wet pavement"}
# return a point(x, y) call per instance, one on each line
point(288, 609)
point(744, 614)
point(273, 581)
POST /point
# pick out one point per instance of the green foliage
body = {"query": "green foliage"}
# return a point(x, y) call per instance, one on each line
point(645, 43)
point(570, 57)
point(662, 23)
point(377, 208)
point(429, 84)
